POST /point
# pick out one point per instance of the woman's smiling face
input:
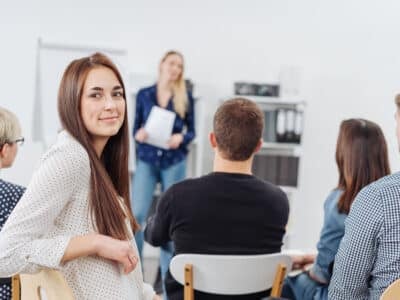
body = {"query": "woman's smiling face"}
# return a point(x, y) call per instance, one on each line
point(102, 103)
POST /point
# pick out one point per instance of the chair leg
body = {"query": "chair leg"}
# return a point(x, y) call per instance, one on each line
point(278, 281)
point(188, 289)
point(16, 288)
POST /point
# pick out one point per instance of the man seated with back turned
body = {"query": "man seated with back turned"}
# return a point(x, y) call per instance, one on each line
point(228, 211)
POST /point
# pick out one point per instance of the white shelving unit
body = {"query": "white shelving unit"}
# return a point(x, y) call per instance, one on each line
point(274, 148)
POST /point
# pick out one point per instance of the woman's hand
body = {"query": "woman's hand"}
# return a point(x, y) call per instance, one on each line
point(175, 140)
point(141, 135)
point(103, 246)
point(117, 250)
point(300, 262)
point(315, 278)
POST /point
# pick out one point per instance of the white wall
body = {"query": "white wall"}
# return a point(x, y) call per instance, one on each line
point(347, 50)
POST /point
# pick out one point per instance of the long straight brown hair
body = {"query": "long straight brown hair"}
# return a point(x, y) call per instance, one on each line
point(361, 157)
point(109, 179)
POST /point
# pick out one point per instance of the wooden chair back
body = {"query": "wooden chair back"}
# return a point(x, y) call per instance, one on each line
point(45, 285)
point(230, 274)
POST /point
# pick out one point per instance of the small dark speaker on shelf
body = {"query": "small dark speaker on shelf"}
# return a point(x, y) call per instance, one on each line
point(268, 90)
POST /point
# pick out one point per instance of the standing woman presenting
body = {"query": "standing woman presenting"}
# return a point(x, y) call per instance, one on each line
point(155, 164)
point(75, 215)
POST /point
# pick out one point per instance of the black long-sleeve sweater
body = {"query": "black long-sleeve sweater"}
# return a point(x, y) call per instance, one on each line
point(220, 213)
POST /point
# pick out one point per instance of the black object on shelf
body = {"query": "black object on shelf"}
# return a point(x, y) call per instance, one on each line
point(279, 170)
point(256, 89)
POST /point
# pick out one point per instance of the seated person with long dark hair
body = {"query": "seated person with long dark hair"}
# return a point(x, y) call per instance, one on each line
point(361, 157)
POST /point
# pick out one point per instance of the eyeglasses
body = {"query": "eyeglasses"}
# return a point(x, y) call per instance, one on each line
point(19, 142)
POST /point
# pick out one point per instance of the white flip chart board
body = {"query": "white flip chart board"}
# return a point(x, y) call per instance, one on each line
point(52, 60)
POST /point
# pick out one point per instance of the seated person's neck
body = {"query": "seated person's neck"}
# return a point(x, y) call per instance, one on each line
point(229, 166)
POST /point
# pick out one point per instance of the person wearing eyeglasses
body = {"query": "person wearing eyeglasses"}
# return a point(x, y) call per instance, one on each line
point(10, 139)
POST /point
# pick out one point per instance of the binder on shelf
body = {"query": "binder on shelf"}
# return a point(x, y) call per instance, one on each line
point(280, 125)
point(270, 126)
point(265, 167)
point(298, 128)
point(289, 126)
point(288, 171)
point(290, 123)
point(279, 170)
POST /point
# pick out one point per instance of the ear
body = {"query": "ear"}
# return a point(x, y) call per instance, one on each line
point(4, 150)
point(4, 154)
point(213, 140)
point(259, 145)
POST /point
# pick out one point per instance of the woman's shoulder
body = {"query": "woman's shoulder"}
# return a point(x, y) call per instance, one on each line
point(331, 202)
point(69, 150)
point(335, 194)
point(147, 91)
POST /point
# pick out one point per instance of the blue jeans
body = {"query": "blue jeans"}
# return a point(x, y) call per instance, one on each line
point(144, 183)
point(302, 287)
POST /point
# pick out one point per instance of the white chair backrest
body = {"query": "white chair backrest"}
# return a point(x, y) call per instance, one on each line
point(230, 274)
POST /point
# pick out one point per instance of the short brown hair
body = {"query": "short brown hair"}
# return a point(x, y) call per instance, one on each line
point(361, 157)
point(238, 127)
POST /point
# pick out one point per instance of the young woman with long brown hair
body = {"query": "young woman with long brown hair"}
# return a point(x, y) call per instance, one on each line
point(361, 158)
point(75, 215)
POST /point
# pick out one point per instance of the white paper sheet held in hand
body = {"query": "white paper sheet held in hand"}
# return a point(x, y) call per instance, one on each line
point(159, 127)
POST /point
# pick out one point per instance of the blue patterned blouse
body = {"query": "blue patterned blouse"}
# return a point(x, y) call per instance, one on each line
point(145, 100)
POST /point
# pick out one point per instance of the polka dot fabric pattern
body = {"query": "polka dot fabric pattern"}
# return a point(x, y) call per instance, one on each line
point(5, 292)
point(9, 195)
point(54, 209)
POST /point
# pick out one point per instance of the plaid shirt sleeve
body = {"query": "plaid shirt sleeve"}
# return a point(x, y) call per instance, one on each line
point(358, 249)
